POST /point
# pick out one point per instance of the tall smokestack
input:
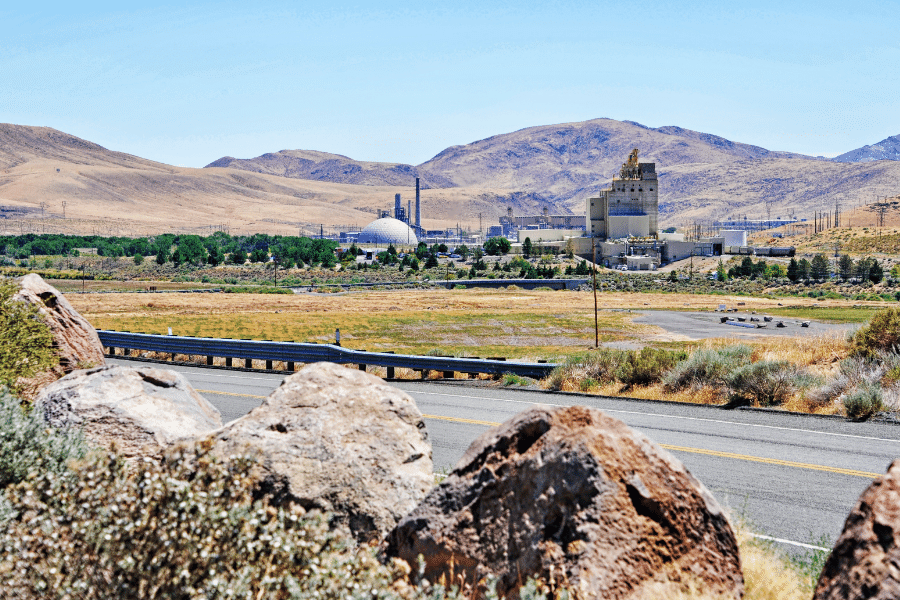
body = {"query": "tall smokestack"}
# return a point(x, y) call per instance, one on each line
point(408, 211)
point(397, 206)
point(418, 207)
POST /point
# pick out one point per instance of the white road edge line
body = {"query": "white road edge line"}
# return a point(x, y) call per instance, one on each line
point(634, 412)
point(791, 542)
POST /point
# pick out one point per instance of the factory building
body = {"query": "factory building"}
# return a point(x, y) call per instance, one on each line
point(630, 207)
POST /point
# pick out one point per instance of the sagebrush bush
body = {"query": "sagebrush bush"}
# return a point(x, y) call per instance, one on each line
point(766, 382)
point(649, 365)
point(707, 367)
point(186, 528)
point(881, 334)
point(28, 446)
point(26, 345)
point(864, 402)
point(608, 365)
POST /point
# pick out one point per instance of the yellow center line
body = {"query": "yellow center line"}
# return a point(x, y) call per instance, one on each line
point(716, 453)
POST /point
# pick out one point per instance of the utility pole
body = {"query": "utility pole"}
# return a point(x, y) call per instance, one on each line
point(64, 208)
point(594, 278)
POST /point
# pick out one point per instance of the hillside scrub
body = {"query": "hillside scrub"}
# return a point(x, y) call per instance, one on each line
point(881, 334)
point(606, 365)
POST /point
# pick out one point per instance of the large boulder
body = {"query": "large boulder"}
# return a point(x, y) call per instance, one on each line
point(139, 411)
point(74, 339)
point(865, 561)
point(341, 441)
point(576, 498)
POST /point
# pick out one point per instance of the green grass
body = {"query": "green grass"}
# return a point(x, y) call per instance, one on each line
point(830, 314)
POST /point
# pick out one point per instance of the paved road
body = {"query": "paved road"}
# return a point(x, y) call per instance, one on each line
point(700, 325)
point(794, 477)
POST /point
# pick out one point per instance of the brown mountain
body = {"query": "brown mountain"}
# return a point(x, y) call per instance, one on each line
point(116, 193)
point(702, 176)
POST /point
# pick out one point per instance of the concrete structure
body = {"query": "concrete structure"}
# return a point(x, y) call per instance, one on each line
point(630, 207)
point(388, 231)
point(418, 208)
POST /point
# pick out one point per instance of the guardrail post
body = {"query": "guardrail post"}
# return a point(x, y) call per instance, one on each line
point(448, 374)
point(126, 352)
point(390, 372)
point(290, 366)
point(209, 361)
point(362, 367)
point(112, 350)
point(248, 363)
point(227, 361)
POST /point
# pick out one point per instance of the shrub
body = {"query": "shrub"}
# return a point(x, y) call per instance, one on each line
point(25, 340)
point(864, 402)
point(882, 333)
point(27, 445)
point(707, 366)
point(649, 365)
point(766, 382)
point(187, 528)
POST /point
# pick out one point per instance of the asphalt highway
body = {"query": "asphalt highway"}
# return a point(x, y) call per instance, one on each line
point(793, 477)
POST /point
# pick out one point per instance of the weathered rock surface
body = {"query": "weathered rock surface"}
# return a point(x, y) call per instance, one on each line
point(140, 410)
point(575, 497)
point(865, 561)
point(74, 339)
point(338, 440)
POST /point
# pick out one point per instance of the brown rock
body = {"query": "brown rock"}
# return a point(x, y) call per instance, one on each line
point(865, 561)
point(576, 498)
point(139, 411)
point(74, 339)
point(338, 440)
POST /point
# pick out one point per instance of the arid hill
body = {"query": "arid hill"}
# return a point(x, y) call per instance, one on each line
point(703, 176)
point(111, 193)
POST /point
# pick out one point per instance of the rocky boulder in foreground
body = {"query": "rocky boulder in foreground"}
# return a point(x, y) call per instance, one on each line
point(141, 411)
point(577, 498)
point(74, 339)
point(865, 561)
point(338, 440)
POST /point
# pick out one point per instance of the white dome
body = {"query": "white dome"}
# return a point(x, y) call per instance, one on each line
point(388, 231)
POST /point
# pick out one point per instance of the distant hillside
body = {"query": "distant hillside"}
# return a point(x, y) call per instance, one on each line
point(322, 166)
point(886, 149)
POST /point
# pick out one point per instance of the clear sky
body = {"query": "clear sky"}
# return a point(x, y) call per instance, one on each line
point(188, 82)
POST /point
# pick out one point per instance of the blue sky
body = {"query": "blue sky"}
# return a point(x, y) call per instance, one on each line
point(188, 82)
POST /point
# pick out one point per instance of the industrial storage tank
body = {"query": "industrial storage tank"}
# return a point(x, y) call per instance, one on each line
point(388, 231)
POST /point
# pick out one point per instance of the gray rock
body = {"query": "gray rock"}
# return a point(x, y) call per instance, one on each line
point(865, 560)
point(341, 441)
point(576, 498)
point(74, 339)
point(141, 411)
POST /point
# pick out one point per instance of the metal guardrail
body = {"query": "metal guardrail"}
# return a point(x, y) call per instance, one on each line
point(294, 352)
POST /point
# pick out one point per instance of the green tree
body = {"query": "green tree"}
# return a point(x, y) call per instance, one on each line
point(804, 269)
point(527, 248)
point(421, 250)
point(191, 249)
point(478, 254)
point(863, 268)
point(876, 273)
point(138, 259)
point(26, 346)
point(238, 257)
point(793, 270)
point(819, 267)
point(463, 251)
point(845, 267)
point(497, 246)
point(216, 256)
point(259, 255)
point(432, 261)
point(721, 274)
point(162, 256)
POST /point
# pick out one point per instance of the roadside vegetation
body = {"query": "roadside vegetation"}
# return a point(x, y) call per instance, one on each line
point(80, 522)
point(857, 376)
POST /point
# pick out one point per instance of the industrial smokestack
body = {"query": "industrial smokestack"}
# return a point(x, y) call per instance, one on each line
point(418, 207)
point(397, 207)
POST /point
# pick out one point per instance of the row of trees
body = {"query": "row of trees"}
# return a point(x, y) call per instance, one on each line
point(818, 269)
point(215, 249)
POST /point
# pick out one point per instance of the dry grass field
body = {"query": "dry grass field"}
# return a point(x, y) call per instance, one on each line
point(512, 323)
